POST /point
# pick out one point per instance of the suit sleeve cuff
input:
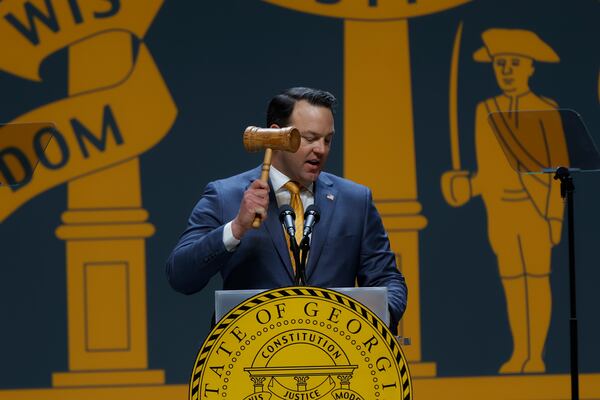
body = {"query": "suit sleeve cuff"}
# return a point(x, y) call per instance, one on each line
point(230, 242)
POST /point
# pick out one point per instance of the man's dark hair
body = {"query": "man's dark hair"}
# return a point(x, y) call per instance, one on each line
point(281, 106)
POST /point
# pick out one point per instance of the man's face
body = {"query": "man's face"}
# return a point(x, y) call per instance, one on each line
point(513, 72)
point(315, 124)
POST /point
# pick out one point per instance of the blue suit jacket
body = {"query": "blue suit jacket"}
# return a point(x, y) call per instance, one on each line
point(349, 243)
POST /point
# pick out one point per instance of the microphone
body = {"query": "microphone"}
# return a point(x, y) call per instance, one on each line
point(287, 216)
point(311, 217)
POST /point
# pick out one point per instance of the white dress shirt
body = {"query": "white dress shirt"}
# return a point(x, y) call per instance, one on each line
point(278, 180)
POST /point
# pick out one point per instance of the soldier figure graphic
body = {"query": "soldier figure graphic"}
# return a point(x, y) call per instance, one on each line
point(525, 212)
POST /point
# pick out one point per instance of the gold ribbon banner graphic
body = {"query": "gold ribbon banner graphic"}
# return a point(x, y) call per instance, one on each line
point(315, 393)
point(259, 396)
point(32, 30)
point(345, 394)
point(94, 130)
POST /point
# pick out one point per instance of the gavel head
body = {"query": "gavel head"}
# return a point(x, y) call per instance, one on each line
point(286, 139)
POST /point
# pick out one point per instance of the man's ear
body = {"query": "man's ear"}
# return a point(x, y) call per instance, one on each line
point(274, 126)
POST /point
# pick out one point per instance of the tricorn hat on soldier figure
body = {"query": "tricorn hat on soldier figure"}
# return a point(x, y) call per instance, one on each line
point(519, 42)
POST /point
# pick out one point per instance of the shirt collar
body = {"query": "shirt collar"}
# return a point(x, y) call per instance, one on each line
point(278, 179)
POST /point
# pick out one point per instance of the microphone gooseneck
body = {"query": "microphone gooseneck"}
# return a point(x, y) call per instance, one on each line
point(311, 218)
point(287, 217)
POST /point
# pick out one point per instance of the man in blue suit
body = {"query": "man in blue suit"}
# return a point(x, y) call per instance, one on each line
point(348, 246)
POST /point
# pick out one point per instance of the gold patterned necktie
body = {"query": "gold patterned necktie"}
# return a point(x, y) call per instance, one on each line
point(296, 204)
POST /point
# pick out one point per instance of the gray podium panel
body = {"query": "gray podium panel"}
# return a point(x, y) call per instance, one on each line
point(374, 298)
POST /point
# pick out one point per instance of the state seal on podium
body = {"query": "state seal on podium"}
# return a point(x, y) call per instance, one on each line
point(300, 343)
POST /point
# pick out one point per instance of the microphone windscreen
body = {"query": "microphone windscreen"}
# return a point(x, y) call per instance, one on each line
point(314, 210)
point(286, 210)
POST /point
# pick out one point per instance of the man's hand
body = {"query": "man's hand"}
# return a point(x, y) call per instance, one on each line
point(255, 201)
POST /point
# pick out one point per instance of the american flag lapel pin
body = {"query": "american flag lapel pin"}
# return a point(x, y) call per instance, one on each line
point(330, 196)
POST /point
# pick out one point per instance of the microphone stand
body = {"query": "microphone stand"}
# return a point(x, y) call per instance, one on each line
point(301, 268)
point(299, 252)
point(566, 192)
point(287, 217)
point(296, 253)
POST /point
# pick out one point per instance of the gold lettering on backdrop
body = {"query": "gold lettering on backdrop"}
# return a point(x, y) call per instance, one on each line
point(101, 129)
point(377, 66)
point(524, 212)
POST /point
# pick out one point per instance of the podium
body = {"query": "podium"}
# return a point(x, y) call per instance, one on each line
point(374, 298)
point(301, 342)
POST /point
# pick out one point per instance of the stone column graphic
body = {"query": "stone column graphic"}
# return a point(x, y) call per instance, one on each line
point(100, 129)
point(105, 229)
point(378, 125)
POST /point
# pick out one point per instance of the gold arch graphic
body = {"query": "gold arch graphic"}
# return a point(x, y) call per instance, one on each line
point(370, 10)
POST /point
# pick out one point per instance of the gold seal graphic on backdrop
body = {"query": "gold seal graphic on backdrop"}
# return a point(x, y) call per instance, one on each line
point(300, 343)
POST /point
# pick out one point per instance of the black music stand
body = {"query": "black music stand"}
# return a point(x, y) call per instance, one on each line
point(555, 142)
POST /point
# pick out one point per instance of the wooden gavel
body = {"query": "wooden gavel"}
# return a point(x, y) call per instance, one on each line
point(269, 139)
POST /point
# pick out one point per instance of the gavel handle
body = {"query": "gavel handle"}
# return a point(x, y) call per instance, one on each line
point(264, 176)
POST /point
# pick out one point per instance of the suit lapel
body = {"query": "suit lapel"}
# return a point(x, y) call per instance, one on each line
point(325, 199)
